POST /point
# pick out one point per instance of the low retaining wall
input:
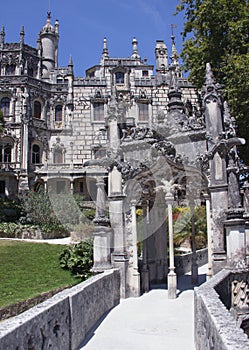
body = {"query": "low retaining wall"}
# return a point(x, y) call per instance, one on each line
point(215, 327)
point(62, 322)
point(183, 262)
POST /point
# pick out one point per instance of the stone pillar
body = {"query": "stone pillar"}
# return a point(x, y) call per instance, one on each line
point(246, 216)
point(135, 274)
point(23, 178)
point(194, 266)
point(145, 267)
point(102, 231)
point(119, 255)
point(209, 237)
point(172, 281)
point(236, 240)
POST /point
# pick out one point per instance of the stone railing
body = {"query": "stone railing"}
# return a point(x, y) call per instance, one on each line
point(215, 326)
point(63, 321)
point(183, 262)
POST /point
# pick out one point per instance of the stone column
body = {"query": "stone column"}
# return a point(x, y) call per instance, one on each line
point(135, 274)
point(145, 267)
point(23, 178)
point(246, 216)
point(209, 237)
point(119, 255)
point(236, 241)
point(172, 281)
point(194, 266)
point(102, 231)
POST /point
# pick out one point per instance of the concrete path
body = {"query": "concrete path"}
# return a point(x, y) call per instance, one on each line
point(150, 322)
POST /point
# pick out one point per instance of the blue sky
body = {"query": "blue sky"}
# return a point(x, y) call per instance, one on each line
point(84, 24)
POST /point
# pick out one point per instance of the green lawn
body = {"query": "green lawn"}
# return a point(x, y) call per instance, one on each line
point(28, 269)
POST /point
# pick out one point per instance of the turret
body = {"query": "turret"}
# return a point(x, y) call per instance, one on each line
point(49, 38)
point(161, 53)
point(135, 53)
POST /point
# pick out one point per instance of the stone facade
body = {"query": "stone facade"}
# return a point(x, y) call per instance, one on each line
point(125, 136)
point(55, 122)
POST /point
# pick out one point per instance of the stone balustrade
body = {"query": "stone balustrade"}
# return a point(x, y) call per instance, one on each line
point(215, 326)
point(63, 321)
point(183, 262)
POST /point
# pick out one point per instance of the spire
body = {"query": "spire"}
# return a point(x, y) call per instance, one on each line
point(70, 64)
point(105, 53)
point(2, 36)
point(174, 54)
point(135, 53)
point(70, 61)
point(210, 81)
point(48, 28)
point(22, 35)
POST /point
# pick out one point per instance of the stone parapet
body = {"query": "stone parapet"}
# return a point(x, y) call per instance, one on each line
point(183, 262)
point(63, 321)
point(215, 326)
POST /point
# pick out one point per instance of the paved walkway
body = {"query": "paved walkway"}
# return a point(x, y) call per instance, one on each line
point(150, 322)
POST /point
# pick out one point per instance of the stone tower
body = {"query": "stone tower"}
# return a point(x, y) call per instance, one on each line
point(49, 38)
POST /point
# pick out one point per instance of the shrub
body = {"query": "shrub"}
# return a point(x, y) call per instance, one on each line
point(78, 259)
point(9, 210)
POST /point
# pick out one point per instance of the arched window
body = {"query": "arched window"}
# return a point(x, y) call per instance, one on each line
point(5, 153)
point(37, 109)
point(36, 154)
point(10, 69)
point(5, 106)
point(58, 113)
point(119, 78)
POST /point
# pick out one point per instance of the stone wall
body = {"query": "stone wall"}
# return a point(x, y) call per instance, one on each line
point(183, 262)
point(215, 327)
point(62, 322)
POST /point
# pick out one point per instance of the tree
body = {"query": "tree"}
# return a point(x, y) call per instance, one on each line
point(217, 31)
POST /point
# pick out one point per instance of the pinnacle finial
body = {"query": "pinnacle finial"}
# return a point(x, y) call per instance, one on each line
point(105, 53)
point(209, 75)
point(135, 53)
point(2, 35)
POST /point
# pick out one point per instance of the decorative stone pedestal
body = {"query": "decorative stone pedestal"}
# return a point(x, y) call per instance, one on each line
point(236, 238)
point(172, 285)
point(102, 248)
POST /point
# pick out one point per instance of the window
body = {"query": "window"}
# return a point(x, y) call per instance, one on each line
point(2, 187)
point(119, 78)
point(145, 73)
point(143, 112)
point(98, 111)
point(37, 109)
point(5, 153)
point(36, 154)
point(58, 156)
point(5, 106)
point(58, 113)
point(10, 69)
